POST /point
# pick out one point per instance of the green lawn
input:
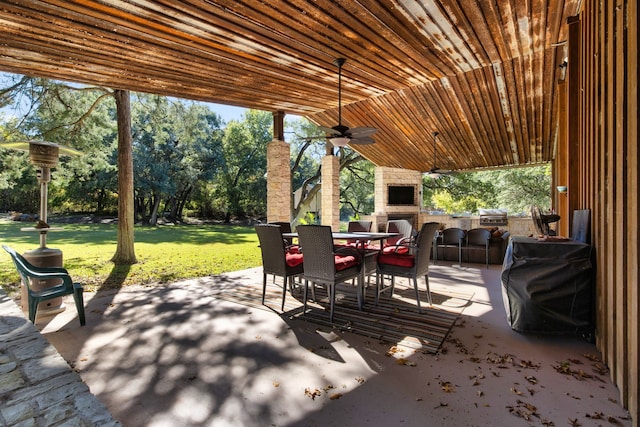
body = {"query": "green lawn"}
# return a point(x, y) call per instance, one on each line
point(165, 253)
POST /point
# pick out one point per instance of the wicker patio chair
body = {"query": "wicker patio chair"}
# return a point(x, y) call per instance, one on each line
point(358, 226)
point(328, 265)
point(406, 234)
point(411, 265)
point(64, 285)
point(370, 253)
point(276, 259)
point(285, 227)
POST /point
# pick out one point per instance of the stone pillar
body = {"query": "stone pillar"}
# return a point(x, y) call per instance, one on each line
point(330, 210)
point(278, 181)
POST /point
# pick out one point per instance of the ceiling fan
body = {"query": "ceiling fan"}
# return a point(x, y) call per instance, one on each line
point(435, 171)
point(341, 135)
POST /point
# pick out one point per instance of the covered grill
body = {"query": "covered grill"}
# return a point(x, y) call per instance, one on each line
point(489, 217)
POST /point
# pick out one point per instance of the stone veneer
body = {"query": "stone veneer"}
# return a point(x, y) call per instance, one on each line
point(37, 386)
point(516, 225)
point(330, 208)
point(278, 181)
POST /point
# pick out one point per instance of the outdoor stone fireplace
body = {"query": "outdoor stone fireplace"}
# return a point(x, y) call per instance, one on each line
point(398, 195)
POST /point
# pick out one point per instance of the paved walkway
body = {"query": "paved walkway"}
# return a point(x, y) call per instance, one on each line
point(37, 386)
point(177, 355)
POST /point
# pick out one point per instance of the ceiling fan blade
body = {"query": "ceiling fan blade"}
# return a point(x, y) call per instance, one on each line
point(328, 130)
point(362, 140)
point(362, 131)
point(436, 173)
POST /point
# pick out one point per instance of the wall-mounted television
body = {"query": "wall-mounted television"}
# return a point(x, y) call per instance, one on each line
point(401, 195)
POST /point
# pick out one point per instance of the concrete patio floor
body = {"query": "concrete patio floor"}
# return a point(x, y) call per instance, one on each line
point(175, 355)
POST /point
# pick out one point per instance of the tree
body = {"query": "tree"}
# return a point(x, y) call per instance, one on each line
point(357, 181)
point(513, 189)
point(356, 173)
point(125, 250)
point(61, 113)
point(80, 117)
point(200, 135)
point(240, 180)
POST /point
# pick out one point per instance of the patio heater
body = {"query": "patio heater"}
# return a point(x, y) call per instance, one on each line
point(44, 156)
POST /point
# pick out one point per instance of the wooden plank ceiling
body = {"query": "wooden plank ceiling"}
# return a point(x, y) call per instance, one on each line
point(483, 73)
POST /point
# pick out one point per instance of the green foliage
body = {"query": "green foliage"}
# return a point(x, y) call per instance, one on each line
point(357, 181)
point(309, 219)
point(241, 181)
point(512, 189)
point(176, 151)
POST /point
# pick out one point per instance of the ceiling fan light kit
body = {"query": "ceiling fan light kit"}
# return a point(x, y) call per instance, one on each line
point(340, 141)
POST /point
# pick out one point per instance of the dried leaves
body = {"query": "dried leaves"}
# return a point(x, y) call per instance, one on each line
point(313, 393)
point(316, 392)
point(567, 369)
point(524, 410)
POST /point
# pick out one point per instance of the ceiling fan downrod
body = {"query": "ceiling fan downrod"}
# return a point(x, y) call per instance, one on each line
point(339, 62)
point(435, 152)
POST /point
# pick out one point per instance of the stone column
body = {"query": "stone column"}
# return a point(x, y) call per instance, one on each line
point(330, 210)
point(278, 181)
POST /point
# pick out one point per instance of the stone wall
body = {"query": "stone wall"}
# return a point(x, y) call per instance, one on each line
point(278, 182)
point(516, 225)
point(37, 386)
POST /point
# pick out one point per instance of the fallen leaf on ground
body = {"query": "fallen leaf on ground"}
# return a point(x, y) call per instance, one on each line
point(403, 361)
point(335, 396)
point(393, 350)
point(592, 357)
point(565, 368)
point(529, 364)
point(312, 393)
point(600, 369)
point(524, 410)
point(595, 416)
point(447, 387)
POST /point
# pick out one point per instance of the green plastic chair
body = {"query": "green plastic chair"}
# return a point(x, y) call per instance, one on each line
point(65, 286)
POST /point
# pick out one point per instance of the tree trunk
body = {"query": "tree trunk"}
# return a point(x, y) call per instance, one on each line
point(153, 219)
point(125, 252)
point(181, 202)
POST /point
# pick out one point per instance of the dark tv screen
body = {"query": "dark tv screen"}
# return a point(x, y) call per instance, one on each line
point(401, 195)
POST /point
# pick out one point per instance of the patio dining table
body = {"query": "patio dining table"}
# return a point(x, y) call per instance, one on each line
point(362, 238)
